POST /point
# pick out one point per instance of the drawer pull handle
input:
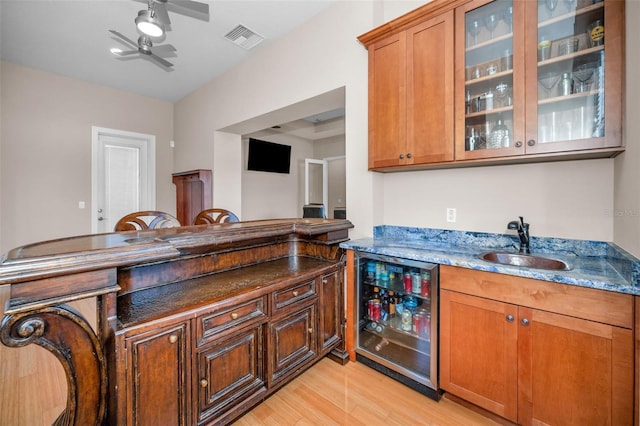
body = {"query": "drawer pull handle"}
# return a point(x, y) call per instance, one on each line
point(295, 294)
point(510, 318)
point(173, 338)
point(310, 330)
point(524, 321)
point(203, 383)
point(234, 315)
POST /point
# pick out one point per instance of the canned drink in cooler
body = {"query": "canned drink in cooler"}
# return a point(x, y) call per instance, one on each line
point(418, 323)
point(426, 284)
point(407, 282)
point(416, 283)
point(406, 323)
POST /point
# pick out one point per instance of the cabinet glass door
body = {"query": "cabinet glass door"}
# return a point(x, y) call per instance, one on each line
point(570, 71)
point(489, 78)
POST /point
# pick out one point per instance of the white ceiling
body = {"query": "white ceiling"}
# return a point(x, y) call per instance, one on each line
point(71, 37)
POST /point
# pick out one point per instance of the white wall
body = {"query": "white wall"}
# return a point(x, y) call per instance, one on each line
point(46, 150)
point(626, 210)
point(316, 58)
point(564, 199)
point(275, 195)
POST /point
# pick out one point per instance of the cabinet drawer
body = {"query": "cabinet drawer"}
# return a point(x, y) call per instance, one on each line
point(587, 303)
point(227, 318)
point(301, 292)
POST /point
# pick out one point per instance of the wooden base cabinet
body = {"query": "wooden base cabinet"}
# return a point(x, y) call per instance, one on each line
point(530, 365)
point(294, 343)
point(231, 375)
point(151, 394)
point(195, 325)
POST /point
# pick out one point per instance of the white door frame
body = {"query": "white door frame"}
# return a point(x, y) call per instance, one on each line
point(147, 192)
point(325, 180)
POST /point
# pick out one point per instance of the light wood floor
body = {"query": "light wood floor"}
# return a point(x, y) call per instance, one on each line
point(354, 394)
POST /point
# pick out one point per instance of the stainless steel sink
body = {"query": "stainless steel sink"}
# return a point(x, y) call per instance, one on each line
point(525, 260)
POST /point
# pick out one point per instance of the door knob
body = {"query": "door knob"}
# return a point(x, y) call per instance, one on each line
point(509, 318)
point(524, 321)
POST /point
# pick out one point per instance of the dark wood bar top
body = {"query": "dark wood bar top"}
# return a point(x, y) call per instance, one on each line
point(98, 251)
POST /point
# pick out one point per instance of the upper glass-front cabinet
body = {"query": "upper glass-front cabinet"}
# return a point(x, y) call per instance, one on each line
point(538, 76)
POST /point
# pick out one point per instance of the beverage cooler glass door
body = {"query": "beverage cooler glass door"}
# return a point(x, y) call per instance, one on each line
point(398, 319)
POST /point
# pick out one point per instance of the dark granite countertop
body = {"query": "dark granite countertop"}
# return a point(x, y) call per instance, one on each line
point(593, 264)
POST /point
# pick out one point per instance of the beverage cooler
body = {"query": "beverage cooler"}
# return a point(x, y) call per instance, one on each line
point(397, 314)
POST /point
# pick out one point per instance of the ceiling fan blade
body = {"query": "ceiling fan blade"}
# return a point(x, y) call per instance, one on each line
point(122, 37)
point(124, 53)
point(193, 9)
point(163, 49)
point(161, 61)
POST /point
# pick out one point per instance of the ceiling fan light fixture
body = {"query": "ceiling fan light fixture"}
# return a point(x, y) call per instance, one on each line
point(148, 24)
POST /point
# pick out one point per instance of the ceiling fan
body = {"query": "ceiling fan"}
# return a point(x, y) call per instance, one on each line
point(144, 46)
point(153, 22)
point(155, 19)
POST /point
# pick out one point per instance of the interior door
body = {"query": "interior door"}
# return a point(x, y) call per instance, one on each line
point(123, 176)
point(316, 183)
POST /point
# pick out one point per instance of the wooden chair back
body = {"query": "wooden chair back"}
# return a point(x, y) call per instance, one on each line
point(211, 216)
point(149, 219)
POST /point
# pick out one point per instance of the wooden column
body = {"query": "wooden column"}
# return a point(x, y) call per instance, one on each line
point(193, 194)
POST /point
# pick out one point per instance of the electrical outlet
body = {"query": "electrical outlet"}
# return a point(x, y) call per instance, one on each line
point(451, 214)
point(81, 204)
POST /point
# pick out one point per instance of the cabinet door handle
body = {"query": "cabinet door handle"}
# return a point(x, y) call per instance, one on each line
point(234, 315)
point(518, 144)
point(173, 338)
point(524, 321)
point(310, 330)
point(203, 383)
point(324, 281)
point(531, 142)
point(510, 318)
point(401, 156)
point(295, 293)
point(409, 155)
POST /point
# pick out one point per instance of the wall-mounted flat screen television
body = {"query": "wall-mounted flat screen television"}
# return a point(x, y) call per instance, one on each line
point(268, 156)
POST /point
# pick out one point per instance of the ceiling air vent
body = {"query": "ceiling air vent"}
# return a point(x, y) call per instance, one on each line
point(244, 37)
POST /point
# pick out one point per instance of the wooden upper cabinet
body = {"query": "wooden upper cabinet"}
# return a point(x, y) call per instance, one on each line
point(387, 99)
point(543, 76)
point(459, 82)
point(430, 91)
point(410, 95)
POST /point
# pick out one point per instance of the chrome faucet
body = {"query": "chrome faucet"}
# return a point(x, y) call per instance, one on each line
point(523, 234)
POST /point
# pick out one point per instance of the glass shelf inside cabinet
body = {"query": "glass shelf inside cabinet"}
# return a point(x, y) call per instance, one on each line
point(570, 70)
point(489, 76)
